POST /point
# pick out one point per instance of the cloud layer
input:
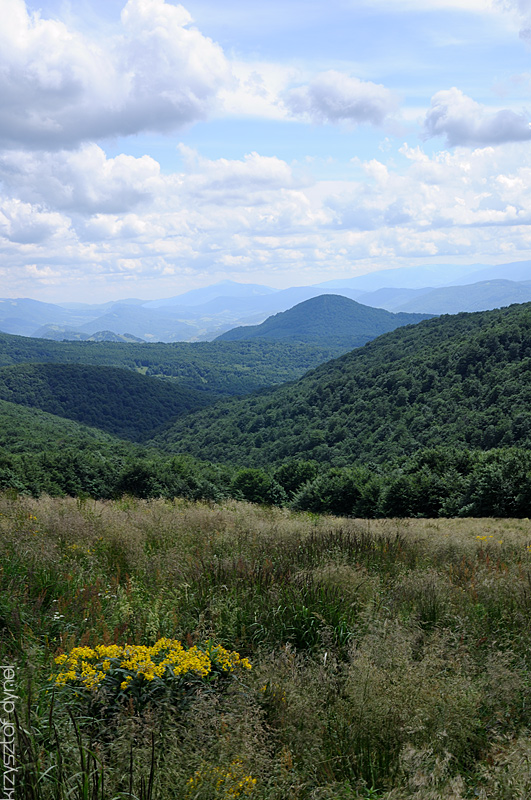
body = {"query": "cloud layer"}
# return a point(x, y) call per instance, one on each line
point(123, 219)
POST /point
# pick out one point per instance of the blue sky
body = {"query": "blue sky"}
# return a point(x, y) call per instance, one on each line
point(148, 147)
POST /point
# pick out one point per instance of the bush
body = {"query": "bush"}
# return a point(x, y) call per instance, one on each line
point(257, 486)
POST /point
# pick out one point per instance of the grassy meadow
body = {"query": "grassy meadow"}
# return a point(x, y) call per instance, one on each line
point(389, 659)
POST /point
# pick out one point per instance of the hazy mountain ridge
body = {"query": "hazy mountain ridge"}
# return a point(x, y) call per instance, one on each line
point(435, 275)
point(57, 334)
point(202, 314)
point(480, 296)
point(391, 298)
point(198, 297)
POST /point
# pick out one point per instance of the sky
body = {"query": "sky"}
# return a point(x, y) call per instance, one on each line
point(148, 148)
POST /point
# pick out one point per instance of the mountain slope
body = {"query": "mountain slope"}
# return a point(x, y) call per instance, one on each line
point(513, 271)
point(459, 380)
point(480, 296)
point(328, 319)
point(408, 277)
point(24, 430)
point(118, 401)
point(196, 297)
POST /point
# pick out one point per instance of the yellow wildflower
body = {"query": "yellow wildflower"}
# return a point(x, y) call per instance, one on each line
point(167, 658)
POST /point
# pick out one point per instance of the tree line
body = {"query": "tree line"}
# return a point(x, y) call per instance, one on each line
point(434, 482)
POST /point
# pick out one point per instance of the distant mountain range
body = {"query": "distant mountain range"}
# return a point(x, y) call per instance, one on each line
point(198, 297)
point(434, 275)
point(482, 296)
point(204, 314)
point(56, 333)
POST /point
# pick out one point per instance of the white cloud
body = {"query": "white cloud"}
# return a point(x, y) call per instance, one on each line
point(68, 212)
point(464, 122)
point(521, 11)
point(241, 181)
point(336, 97)
point(44, 275)
point(83, 181)
point(448, 192)
point(256, 90)
point(86, 182)
point(59, 88)
point(23, 223)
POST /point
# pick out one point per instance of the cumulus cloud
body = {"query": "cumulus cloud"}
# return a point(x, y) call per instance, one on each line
point(336, 97)
point(441, 195)
point(256, 90)
point(462, 121)
point(521, 9)
point(97, 219)
point(58, 87)
point(88, 183)
point(22, 223)
point(84, 181)
point(232, 180)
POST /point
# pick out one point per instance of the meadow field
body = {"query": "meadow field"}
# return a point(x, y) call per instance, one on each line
point(171, 650)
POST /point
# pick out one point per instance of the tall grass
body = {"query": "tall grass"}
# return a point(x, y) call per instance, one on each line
point(390, 659)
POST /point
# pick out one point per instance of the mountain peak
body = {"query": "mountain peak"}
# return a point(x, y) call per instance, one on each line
point(324, 319)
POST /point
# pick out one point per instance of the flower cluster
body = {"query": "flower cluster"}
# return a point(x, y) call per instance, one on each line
point(166, 661)
point(227, 783)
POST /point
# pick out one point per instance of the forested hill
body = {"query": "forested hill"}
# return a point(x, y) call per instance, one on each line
point(31, 430)
point(226, 368)
point(326, 319)
point(115, 400)
point(42, 453)
point(458, 380)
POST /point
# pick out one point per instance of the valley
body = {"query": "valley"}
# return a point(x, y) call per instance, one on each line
point(430, 419)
